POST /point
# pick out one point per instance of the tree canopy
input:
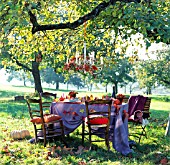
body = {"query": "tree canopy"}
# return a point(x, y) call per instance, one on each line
point(58, 28)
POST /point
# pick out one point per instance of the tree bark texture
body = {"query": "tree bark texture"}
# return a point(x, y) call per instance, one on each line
point(36, 75)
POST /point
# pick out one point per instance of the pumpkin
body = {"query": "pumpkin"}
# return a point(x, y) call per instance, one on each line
point(19, 134)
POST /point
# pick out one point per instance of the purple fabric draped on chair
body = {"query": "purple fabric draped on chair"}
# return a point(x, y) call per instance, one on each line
point(136, 103)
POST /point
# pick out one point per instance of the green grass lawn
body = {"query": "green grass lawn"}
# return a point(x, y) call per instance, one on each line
point(14, 116)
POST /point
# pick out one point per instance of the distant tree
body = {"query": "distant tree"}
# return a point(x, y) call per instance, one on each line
point(162, 67)
point(49, 76)
point(153, 72)
point(76, 81)
point(21, 76)
point(117, 73)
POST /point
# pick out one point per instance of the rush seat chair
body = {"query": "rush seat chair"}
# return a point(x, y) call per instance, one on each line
point(46, 126)
point(97, 120)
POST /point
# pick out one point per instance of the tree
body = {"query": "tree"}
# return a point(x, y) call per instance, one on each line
point(19, 75)
point(50, 76)
point(162, 66)
point(117, 72)
point(44, 25)
point(76, 81)
point(152, 72)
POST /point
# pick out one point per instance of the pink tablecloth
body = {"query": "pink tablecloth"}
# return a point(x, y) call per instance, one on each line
point(73, 115)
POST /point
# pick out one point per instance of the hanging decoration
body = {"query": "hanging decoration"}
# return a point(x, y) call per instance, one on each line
point(83, 63)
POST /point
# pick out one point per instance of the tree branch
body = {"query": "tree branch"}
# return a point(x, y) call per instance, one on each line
point(94, 13)
point(22, 65)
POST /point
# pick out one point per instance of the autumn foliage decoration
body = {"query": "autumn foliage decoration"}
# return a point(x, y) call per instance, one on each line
point(120, 97)
point(118, 101)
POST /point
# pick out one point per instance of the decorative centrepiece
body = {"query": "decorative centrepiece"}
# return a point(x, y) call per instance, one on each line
point(120, 97)
point(72, 94)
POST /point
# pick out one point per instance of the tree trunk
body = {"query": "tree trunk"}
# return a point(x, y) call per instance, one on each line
point(116, 88)
point(130, 89)
point(24, 81)
point(57, 85)
point(113, 91)
point(91, 87)
point(36, 75)
point(125, 88)
point(106, 88)
point(149, 91)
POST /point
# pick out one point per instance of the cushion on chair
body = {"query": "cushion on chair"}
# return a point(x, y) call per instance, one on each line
point(36, 120)
point(51, 117)
point(99, 120)
point(47, 118)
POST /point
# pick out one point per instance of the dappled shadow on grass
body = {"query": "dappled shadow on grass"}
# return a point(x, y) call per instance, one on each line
point(150, 153)
point(16, 109)
point(158, 114)
point(10, 94)
point(144, 152)
point(98, 154)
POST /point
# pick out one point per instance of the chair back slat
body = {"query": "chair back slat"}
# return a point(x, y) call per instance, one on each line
point(47, 98)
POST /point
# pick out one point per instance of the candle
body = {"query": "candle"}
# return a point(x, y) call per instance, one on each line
point(76, 57)
point(84, 52)
point(101, 60)
point(93, 58)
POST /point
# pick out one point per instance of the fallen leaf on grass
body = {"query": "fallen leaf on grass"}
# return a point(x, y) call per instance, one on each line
point(5, 149)
point(81, 163)
point(80, 150)
point(68, 150)
point(58, 148)
point(164, 161)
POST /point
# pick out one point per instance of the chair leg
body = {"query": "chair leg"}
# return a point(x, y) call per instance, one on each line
point(62, 133)
point(143, 133)
point(90, 137)
point(107, 142)
point(83, 131)
point(44, 134)
point(35, 132)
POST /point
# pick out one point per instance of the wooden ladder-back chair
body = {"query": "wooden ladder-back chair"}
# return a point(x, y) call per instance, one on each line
point(138, 128)
point(42, 122)
point(97, 120)
point(47, 98)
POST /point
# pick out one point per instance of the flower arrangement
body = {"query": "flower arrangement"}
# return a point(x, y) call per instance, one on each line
point(72, 94)
point(120, 96)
